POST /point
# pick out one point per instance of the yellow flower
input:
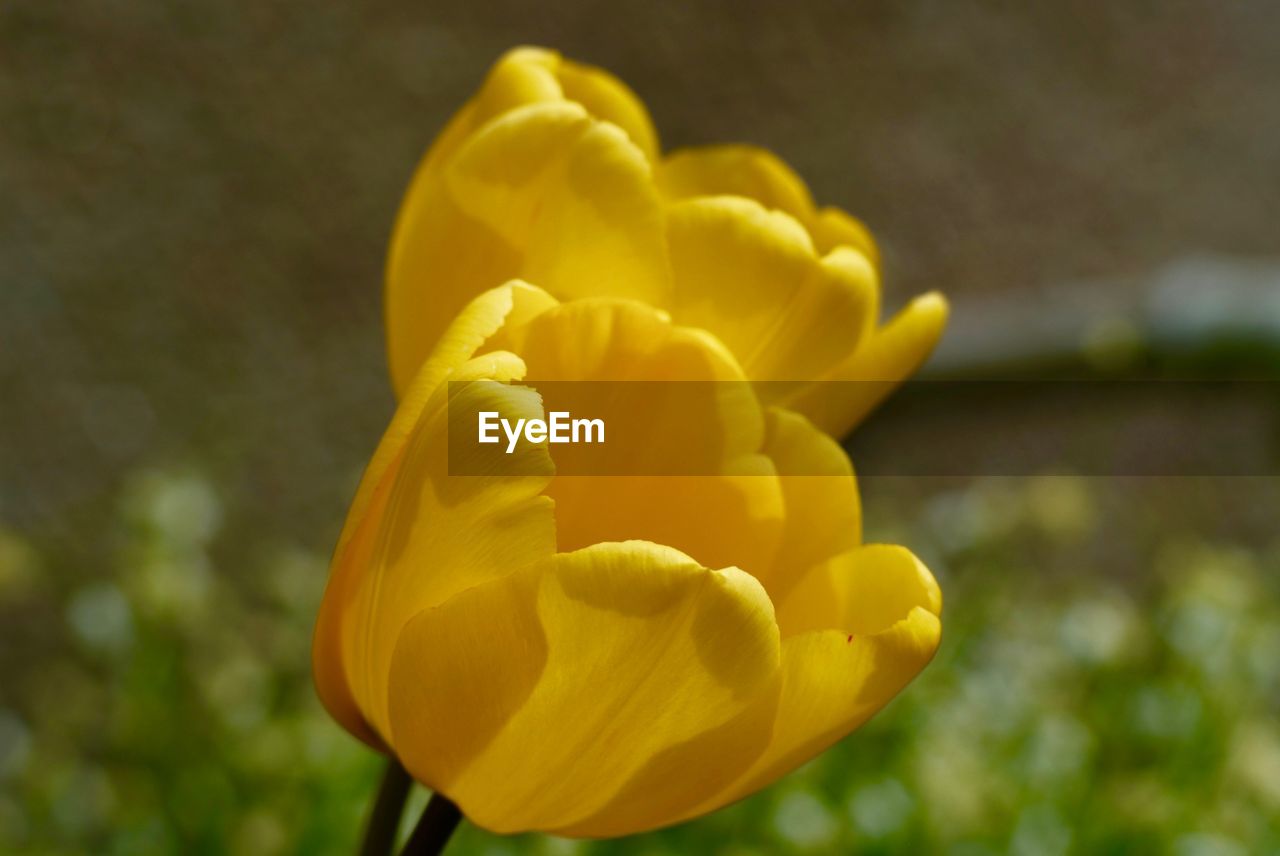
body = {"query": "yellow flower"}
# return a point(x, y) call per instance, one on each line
point(552, 174)
point(596, 656)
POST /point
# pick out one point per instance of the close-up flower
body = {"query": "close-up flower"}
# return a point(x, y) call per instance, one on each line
point(593, 655)
point(562, 652)
point(519, 429)
point(552, 173)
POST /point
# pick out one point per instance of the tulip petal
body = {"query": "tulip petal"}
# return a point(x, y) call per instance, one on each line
point(681, 466)
point(735, 170)
point(600, 229)
point(440, 258)
point(574, 196)
point(712, 518)
point(750, 276)
point(833, 684)
point(528, 75)
point(442, 254)
point(506, 202)
point(522, 76)
point(441, 534)
point(887, 357)
point(512, 304)
point(608, 98)
point(500, 174)
point(533, 700)
point(862, 591)
point(421, 407)
point(680, 776)
point(759, 174)
point(612, 341)
point(832, 227)
point(395, 530)
point(522, 146)
point(820, 495)
point(834, 680)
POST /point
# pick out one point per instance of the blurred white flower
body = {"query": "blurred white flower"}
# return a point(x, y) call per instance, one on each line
point(804, 821)
point(100, 616)
point(881, 809)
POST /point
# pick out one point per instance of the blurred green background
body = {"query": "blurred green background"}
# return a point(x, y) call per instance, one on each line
point(196, 201)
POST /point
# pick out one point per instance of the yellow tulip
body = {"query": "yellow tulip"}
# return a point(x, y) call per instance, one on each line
point(597, 656)
point(552, 174)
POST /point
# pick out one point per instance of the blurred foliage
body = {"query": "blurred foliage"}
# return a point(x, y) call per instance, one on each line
point(1068, 710)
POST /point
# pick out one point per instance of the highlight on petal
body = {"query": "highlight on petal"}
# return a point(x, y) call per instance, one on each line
point(879, 628)
point(887, 357)
point(626, 654)
point(750, 276)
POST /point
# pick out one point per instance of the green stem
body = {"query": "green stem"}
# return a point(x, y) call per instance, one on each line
point(439, 819)
point(384, 821)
